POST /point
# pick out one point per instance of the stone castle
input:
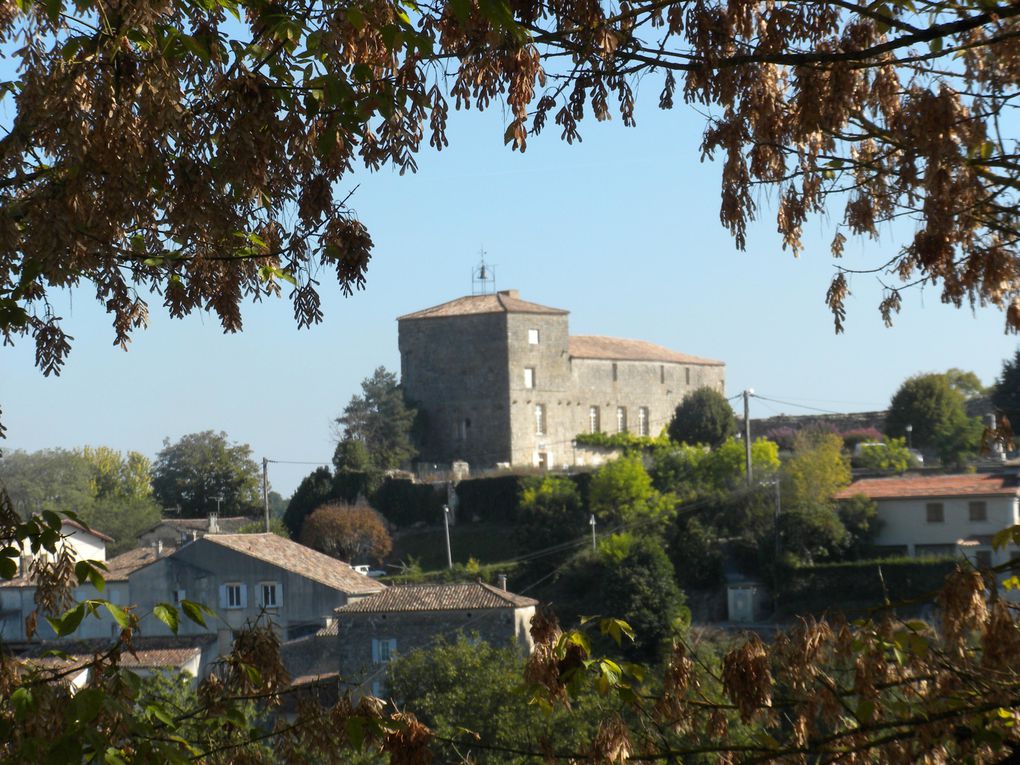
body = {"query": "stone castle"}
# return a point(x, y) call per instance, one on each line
point(500, 381)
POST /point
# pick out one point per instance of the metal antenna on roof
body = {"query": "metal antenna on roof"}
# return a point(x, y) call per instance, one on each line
point(483, 276)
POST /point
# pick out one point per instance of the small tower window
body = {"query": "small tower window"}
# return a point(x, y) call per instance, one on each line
point(621, 419)
point(642, 421)
point(532, 337)
point(662, 373)
point(529, 377)
point(614, 371)
point(540, 419)
point(687, 371)
point(593, 419)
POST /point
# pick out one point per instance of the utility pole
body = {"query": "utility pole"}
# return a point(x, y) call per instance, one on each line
point(446, 527)
point(265, 490)
point(747, 432)
point(775, 559)
point(592, 522)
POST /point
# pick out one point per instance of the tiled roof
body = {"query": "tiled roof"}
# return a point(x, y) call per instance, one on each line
point(85, 530)
point(126, 563)
point(298, 559)
point(437, 597)
point(160, 657)
point(934, 486)
point(501, 302)
point(227, 525)
point(614, 348)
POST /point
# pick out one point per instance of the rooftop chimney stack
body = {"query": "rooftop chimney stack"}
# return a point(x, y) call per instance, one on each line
point(502, 582)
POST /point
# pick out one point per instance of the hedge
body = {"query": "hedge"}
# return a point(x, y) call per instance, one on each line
point(857, 586)
point(404, 503)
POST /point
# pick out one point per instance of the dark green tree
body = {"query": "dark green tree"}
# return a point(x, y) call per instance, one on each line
point(859, 516)
point(315, 490)
point(201, 467)
point(1006, 391)
point(381, 419)
point(703, 417)
point(355, 474)
point(629, 577)
point(936, 412)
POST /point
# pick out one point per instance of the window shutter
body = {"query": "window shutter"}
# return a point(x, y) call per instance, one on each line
point(244, 596)
point(260, 592)
point(375, 651)
point(223, 596)
point(393, 648)
point(279, 594)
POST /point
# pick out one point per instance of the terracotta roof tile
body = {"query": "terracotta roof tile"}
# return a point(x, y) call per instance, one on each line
point(437, 597)
point(500, 302)
point(124, 564)
point(160, 657)
point(958, 485)
point(85, 529)
point(614, 348)
point(298, 559)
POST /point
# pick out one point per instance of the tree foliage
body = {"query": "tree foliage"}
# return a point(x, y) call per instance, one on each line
point(199, 468)
point(381, 420)
point(231, 136)
point(315, 490)
point(811, 477)
point(937, 414)
point(891, 456)
point(353, 533)
point(703, 417)
point(629, 577)
point(109, 490)
point(621, 491)
point(550, 513)
point(1006, 391)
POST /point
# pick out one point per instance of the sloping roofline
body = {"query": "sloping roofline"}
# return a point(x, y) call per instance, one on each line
point(476, 596)
point(934, 486)
point(620, 349)
point(504, 301)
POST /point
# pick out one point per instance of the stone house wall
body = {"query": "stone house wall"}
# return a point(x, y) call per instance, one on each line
point(418, 629)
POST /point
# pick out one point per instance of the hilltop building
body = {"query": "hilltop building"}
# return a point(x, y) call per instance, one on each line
point(500, 381)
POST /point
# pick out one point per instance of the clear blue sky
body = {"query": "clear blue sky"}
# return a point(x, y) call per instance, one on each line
point(621, 230)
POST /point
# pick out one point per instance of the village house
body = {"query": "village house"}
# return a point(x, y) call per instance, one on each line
point(177, 531)
point(17, 595)
point(500, 381)
point(367, 633)
point(246, 577)
point(943, 515)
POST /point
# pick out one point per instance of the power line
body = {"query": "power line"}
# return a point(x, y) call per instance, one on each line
point(790, 403)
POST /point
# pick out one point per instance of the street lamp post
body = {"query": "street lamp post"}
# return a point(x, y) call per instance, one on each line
point(910, 433)
point(446, 527)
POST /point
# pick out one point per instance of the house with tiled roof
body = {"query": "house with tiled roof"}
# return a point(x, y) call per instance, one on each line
point(943, 515)
point(245, 577)
point(365, 634)
point(176, 531)
point(17, 595)
point(502, 382)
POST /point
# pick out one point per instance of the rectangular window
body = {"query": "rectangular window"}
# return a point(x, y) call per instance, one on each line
point(621, 419)
point(383, 650)
point(687, 370)
point(662, 373)
point(935, 512)
point(614, 372)
point(529, 377)
point(978, 510)
point(235, 595)
point(593, 419)
point(934, 551)
point(540, 419)
point(269, 594)
point(642, 421)
point(532, 337)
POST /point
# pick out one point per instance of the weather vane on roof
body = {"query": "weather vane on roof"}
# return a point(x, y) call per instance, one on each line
point(483, 276)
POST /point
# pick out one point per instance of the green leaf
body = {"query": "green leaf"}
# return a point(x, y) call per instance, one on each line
point(68, 623)
point(122, 617)
point(87, 704)
point(157, 712)
point(54, 9)
point(168, 615)
point(22, 702)
point(8, 568)
point(356, 17)
point(196, 611)
point(935, 46)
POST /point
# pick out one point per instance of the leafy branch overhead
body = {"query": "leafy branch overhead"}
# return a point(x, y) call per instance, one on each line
point(198, 151)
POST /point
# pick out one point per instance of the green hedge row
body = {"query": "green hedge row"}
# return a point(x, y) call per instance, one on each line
point(858, 585)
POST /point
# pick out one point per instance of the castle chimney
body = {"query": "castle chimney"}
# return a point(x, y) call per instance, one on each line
point(214, 523)
point(502, 582)
point(510, 294)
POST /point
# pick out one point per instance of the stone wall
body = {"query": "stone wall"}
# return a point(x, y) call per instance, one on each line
point(418, 629)
point(454, 368)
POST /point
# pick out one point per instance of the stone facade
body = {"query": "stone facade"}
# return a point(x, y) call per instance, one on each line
point(370, 632)
point(501, 381)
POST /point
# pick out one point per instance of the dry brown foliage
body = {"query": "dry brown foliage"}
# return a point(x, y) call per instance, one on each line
point(165, 147)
